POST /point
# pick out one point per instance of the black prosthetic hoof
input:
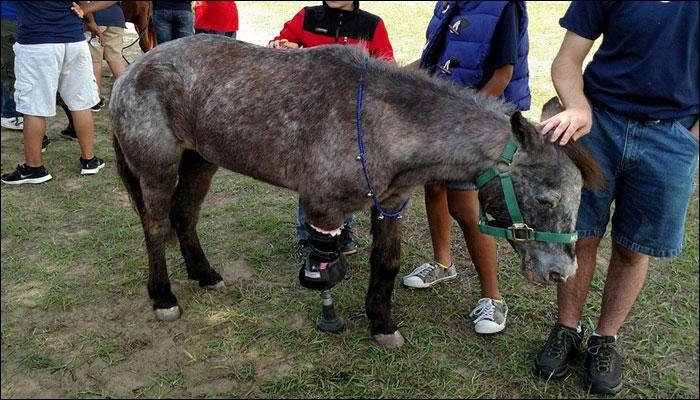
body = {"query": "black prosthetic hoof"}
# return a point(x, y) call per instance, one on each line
point(336, 325)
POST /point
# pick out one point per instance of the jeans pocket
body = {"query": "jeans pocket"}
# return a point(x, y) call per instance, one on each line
point(686, 132)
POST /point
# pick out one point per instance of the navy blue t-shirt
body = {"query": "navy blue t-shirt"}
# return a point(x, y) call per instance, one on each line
point(647, 65)
point(47, 22)
point(110, 16)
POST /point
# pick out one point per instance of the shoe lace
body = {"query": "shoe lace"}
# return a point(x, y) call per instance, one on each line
point(425, 270)
point(559, 342)
point(484, 310)
point(603, 354)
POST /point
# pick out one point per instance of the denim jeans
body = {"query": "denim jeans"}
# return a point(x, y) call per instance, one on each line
point(173, 24)
point(8, 104)
point(649, 169)
point(301, 220)
point(231, 34)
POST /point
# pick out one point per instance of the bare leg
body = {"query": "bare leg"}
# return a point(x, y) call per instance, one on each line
point(97, 70)
point(439, 223)
point(384, 260)
point(626, 276)
point(34, 130)
point(117, 67)
point(85, 130)
point(464, 208)
point(193, 184)
point(571, 296)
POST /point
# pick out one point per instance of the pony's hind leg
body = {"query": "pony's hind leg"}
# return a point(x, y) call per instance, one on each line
point(384, 261)
point(195, 177)
point(157, 194)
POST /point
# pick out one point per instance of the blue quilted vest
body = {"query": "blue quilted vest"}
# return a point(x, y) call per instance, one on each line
point(459, 43)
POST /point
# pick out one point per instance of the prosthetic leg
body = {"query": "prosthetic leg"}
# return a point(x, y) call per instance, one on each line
point(323, 268)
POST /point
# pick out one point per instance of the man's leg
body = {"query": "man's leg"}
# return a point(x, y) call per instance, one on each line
point(571, 296)
point(464, 208)
point(183, 24)
point(85, 130)
point(34, 130)
point(163, 25)
point(117, 67)
point(97, 70)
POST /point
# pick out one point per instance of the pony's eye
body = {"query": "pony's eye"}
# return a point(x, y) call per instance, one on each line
point(548, 199)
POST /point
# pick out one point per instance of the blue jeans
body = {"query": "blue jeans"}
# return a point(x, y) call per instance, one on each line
point(8, 104)
point(173, 24)
point(649, 169)
point(231, 34)
point(301, 220)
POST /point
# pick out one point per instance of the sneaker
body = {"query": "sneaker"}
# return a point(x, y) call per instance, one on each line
point(348, 245)
point(304, 248)
point(429, 274)
point(91, 167)
point(490, 316)
point(24, 174)
point(97, 107)
point(14, 123)
point(563, 344)
point(603, 366)
point(69, 133)
point(45, 142)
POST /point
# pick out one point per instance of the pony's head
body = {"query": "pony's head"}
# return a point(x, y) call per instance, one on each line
point(547, 181)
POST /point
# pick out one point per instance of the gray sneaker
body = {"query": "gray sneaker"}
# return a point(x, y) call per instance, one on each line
point(429, 274)
point(490, 316)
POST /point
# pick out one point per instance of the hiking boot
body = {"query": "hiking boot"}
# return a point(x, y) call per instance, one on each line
point(490, 316)
point(563, 344)
point(92, 166)
point(603, 366)
point(26, 174)
point(429, 274)
point(14, 123)
point(97, 107)
point(304, 248)
point(348, 245)
point(69, 133)
point(45, 142)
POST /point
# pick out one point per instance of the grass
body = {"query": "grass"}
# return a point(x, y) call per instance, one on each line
point(76, 318)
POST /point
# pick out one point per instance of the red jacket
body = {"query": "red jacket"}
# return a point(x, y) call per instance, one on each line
point(315, 26)
point(221, 16)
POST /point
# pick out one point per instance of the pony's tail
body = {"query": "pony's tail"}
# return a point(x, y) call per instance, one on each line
point(131, 181)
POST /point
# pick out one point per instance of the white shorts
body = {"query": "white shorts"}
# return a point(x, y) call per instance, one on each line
point(43, 69)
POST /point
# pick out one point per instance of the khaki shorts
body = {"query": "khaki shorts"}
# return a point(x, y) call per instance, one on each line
point(111, 44)
point(43, 69)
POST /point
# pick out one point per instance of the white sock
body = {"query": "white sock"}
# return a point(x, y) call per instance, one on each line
point(579, 329)
point(598, 335)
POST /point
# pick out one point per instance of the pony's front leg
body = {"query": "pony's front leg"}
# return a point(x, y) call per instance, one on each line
point(384, 260)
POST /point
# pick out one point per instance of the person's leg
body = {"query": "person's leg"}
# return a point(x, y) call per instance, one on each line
point(439, 223)
point(7, 68)
point(85, 130)
point(163, 25)
point(34, 130)
point(97, 71)
point(571, 296)
point(112, 43)
point(464, 208)
point(183, 24)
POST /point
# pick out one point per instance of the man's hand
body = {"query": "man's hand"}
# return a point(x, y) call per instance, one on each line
point(695, 130)
point(77, 10)
point(94, 31)
point(282, 44)
point(568, 124)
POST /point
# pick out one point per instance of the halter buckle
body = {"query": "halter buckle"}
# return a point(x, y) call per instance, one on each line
point(526, 233)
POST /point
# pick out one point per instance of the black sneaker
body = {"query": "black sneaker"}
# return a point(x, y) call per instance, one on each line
point(69, 133)
point(563, 344)
point(97, 107)
point(91, 167)
point(304, 248)
point(25, 174)
point(603, 366)
point(45, 142)
point(348, 245)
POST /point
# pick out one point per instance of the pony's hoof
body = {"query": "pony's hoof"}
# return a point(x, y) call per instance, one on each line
point(217, 286)
point(167, 314)
point(391, 341)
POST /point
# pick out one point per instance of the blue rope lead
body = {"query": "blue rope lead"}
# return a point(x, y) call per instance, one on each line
point(363, 158)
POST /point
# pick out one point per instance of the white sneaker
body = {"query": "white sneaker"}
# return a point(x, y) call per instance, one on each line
point(490, 316)
point(14, 123)
point(429, 274)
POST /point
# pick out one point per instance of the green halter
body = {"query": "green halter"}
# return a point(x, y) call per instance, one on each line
point(519, 231)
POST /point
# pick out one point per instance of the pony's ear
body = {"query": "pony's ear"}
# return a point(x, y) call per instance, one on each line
point(551, 108)
point(525, 133)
